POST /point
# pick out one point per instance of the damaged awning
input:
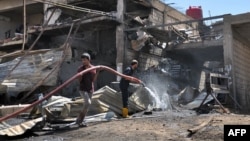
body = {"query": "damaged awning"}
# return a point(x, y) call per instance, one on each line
point(88, 23)
point(34, 67)
point(155, 35)
point(165, 35)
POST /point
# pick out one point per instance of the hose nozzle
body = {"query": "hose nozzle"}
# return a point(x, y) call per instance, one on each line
point(143, 84)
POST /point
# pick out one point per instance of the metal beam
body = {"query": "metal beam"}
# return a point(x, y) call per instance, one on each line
point(176, 23)
point(72, 7)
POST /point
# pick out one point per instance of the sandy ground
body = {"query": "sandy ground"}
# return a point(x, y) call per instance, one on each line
point(160, 126)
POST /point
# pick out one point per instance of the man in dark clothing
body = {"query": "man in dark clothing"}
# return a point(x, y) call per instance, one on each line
point(124, 84)
point(86, 87)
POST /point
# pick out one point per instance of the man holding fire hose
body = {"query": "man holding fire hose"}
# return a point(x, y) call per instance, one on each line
point(86, 87)
point(124, 84)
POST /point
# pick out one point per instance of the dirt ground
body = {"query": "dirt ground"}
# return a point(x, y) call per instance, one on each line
point(160, 126)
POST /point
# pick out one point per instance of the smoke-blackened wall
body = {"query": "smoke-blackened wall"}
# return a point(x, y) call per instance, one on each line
point(195, 59)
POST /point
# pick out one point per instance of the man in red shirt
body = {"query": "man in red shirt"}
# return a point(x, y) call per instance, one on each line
point(86, 87)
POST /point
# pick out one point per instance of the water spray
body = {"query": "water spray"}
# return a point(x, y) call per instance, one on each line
point(143, 84)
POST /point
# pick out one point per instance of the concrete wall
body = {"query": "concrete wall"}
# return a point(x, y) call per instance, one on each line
point(165, 14)
point(35, 19)
point(12, 17)
point(194, 59)
point(156, 17)
point(237, 55)
point(147, 61)
point(106, 56)
point(241, 56)
point(15, 20)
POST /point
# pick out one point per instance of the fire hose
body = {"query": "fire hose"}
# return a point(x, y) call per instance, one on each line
point(100, 67)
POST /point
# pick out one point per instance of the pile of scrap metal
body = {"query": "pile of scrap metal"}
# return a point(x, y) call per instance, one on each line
point(155, 36)
point(191, 98)
point(16, 77)
point(106, 105)
point(204, 101)
point(20, 126)
point(106, 99)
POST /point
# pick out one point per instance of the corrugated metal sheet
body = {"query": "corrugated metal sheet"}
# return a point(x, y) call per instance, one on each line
point(33, 68)
point(103, 100)
point(19, 129)
point(107, 99)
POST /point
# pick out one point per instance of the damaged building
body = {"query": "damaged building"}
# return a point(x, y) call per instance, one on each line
point(97, 27)
point(41, 54)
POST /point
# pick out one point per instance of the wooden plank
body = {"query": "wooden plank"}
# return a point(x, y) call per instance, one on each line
point(199, 127)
